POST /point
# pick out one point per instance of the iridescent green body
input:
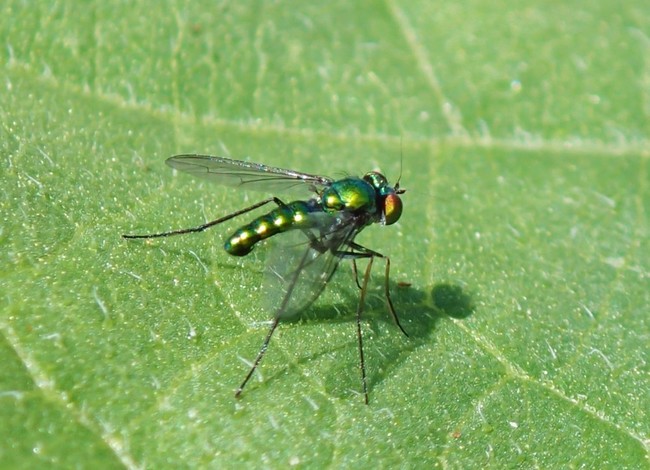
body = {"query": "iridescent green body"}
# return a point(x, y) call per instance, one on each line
point(296, 214)
point(353, 195)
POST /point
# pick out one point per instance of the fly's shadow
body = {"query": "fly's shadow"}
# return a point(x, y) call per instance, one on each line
point(386, 348)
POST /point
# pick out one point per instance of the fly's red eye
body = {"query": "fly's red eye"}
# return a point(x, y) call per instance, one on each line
point(392, 208)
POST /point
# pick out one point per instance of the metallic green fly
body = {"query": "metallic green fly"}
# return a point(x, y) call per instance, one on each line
point(319, 232)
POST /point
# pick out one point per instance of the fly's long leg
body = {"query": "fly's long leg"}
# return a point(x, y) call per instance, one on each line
point(260, 355)
point(207, 225)
point(388, 299)
point(362, 300)
point(363, 252)
point(274, 325)
point(356, 272)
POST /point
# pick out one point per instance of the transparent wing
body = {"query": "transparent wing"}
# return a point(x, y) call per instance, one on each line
point(247, 175)
point(302, 263)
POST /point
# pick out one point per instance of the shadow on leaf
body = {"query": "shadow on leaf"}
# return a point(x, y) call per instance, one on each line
point(452, 300)
point(385, 347)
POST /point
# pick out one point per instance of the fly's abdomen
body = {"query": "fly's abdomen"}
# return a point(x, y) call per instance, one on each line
point(297, 214)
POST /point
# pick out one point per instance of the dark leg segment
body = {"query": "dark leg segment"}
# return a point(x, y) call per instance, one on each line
point(356, 272)
point(276, 320)
point(363, 252)
point(362, 300)
point(387, 293)
point(201, 228)
point(260, 355)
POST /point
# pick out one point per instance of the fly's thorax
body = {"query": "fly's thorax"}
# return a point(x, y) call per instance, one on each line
point(296, 214)
point(349, 194)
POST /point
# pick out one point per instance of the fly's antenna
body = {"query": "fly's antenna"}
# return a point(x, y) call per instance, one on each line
point(401, 165)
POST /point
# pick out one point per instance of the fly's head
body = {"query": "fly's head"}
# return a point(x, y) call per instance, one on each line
point(390, 204)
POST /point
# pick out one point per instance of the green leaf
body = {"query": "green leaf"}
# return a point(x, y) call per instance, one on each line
point(525, 236)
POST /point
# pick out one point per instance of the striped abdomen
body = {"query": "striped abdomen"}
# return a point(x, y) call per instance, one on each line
point(296, 214)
